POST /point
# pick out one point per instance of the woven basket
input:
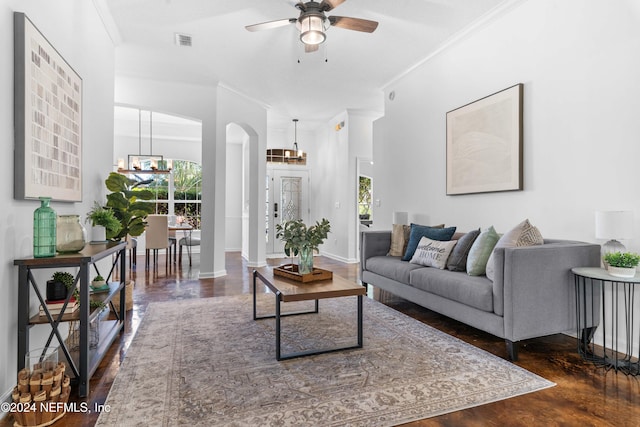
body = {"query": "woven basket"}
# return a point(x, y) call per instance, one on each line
point(128, 298)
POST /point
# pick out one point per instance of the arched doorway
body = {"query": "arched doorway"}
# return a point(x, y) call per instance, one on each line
point(244, 195)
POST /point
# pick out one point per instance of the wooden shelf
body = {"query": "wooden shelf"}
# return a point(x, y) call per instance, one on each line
point(104, 297)
point(84, 361)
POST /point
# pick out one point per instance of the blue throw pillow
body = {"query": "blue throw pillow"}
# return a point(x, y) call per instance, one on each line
point(419, 231)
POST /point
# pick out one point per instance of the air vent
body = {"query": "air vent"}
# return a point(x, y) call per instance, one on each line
point(183, 40)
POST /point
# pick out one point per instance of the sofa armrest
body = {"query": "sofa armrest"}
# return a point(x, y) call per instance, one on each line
point(539, 288)
point(373, 243)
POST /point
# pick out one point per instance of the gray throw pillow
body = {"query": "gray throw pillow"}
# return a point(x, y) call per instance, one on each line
point(458, 258)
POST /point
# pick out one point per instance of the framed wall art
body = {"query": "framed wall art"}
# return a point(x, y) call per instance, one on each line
point(48, 119)
point(484, 144)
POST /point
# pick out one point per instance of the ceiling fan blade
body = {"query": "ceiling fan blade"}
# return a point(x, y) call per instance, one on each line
point(327, 5)
point(308, 48)
point(271, 24)
point(356, 24)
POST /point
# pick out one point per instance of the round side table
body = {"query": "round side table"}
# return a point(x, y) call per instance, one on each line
point(607, 302)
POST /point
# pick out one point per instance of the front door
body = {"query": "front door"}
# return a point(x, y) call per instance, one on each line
point(287, 199)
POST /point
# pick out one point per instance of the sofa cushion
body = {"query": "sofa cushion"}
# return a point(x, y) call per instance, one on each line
point(420, 231)
point(432, 253)
point(458, 259)
point(523, 234)
point(474, 291)
point(481, 251)
point(399, 239)
point(391, 267)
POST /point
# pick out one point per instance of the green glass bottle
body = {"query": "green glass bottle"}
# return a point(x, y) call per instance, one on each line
point(44, 230)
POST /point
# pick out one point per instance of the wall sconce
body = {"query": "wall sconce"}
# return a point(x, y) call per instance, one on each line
point(339, 126)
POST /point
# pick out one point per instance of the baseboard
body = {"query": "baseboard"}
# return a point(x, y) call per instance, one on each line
point(214, 275)
point(5, 398)
point(256, 264)
point(341, 259)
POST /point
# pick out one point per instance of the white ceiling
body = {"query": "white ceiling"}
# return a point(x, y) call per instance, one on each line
point(264, 65)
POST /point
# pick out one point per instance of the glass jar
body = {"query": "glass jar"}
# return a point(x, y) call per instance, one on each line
point(44, 230)
point(71, 234)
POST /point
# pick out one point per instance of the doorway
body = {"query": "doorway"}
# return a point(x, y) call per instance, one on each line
point(287, 199)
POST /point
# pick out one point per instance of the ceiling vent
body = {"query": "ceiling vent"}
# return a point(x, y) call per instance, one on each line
point(183, 40)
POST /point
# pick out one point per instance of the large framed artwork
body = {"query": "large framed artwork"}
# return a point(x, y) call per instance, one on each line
point(47, 119)
point(484, 144)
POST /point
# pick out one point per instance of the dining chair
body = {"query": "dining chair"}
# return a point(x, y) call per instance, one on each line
point(188, 241)
point(157, 237)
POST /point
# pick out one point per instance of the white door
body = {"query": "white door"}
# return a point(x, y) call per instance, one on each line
point(287, 199)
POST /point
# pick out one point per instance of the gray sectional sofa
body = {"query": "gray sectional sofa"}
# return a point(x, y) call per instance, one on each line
point(532, 294)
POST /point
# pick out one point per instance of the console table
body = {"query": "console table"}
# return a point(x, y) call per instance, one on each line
point(82, 363)
point(610, 299)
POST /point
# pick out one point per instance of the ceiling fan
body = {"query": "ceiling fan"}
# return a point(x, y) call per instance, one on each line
point(313, 23)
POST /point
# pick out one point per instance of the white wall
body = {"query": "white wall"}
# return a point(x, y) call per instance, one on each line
point(333, 163)
point(193, 101)
point(75, 30)
point(252, 118)
point(578, 62)
point(233, 199)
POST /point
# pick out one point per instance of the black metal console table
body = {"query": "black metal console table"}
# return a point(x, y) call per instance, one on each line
point(83, 363)
point(610, 299)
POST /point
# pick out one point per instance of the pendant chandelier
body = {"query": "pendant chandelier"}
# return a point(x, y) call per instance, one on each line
point(293, 156)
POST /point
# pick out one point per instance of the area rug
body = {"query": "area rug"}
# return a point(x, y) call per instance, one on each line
point(207, 362)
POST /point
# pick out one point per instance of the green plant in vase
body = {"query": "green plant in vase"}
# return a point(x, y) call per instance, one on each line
point(301, 240)
point(99, 216)
point(622, 264)
point(60, 285)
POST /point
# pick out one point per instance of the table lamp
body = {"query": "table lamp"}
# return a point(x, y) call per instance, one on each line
point(611, 226)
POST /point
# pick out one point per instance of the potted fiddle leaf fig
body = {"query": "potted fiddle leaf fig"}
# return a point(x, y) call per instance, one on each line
point(302, 240)
point(128, 202)
point(622, 264)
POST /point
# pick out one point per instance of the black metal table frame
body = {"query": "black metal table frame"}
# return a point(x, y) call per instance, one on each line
point(26, 281)
point(591, 297)
point(278, 315)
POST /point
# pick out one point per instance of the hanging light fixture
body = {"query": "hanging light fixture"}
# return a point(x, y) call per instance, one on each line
point(145, 163)
point(299, 153)
point(312, 28)
point(287, 155)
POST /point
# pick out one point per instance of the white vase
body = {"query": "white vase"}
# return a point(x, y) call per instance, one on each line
point(622, 272)
point(98, 233)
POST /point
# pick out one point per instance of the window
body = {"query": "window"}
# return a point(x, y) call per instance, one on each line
point(178, 193)
point(364, 198)
point(187, 191)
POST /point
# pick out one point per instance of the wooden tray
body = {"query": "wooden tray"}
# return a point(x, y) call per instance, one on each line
point(290, 271)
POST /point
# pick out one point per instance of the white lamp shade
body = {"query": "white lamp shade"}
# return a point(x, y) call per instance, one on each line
point(614, 225)
point(401, 218)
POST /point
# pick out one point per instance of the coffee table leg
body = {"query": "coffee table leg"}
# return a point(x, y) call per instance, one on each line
point(255, 277)
point(360, 340)
point(278, 302)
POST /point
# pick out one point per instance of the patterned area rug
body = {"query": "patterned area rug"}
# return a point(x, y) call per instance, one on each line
point(207, 362)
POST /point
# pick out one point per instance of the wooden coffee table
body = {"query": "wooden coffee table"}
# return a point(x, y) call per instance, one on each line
point(286, 290)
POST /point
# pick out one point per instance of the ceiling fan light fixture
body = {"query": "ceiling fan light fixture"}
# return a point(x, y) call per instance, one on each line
point(312, 29)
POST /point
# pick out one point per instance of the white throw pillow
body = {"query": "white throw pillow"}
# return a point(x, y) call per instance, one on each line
point(523, 234)
point(433, 253)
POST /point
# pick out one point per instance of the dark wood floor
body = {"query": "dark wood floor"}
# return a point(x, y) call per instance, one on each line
point(584, 396)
